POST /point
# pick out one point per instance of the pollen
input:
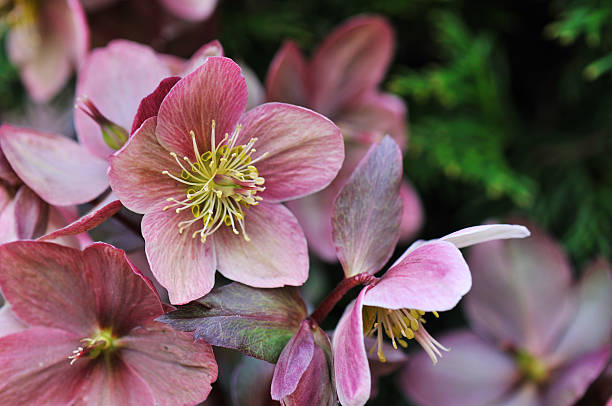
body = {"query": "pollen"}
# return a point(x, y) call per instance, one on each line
point(220, 185)
point(399, 325)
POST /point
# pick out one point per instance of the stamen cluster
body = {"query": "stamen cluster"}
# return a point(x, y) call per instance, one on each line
point(102, 341)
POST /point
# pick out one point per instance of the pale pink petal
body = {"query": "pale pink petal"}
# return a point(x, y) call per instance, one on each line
point(77, 40)
point(365, 220)
point(304, 149)
point(31, 214)
point(276, 254)
point(257, 94)
point(412, 214)
point(351, 368)
point(135, 173)
point(351, 61)
point(149, 105)
point(433, 277)
point(488, 232)
point(526, 394)
point(315, 386)
point(191, 10)
point(215, 91)
point(589, 328)
point(521, 292)
point(59, 219)
point(8, 222)
point(182, 264)
point(286, 79)
point(472, 373)
point(115, 78)
point(176, 369)
point(572, 381)
point(58, 169)
point(9, 323)
point(293, 362)
point(212, 48)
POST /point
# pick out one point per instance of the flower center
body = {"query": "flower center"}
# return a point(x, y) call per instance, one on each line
point(102, 341)
point(219, 185)
point(533, 368)
point(399, 325)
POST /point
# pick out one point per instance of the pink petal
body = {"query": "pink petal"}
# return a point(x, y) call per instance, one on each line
point(149, 106)
point(352, 60)
point(89, 221)
point(433, 277)
point(215, 91)
point(176, 369)
point(275, 256)
point(212, 48)
point(8, 222)
point(182, 264)
point(488, 232)
point(31, 214)
point(472, 373)
point(351, 368)
point(286, 79)
point(136, 172)
point(58, 169)
point(365, 220)
point(58, 219)
point(315, 387)
point(9, 323)
point(6, 171)
point(412, 214)
point(304, 149)
point(115, 78)
point(526, 394)
point(191, 10)
point(293, 362)
point(521, 291)
point(138, 258)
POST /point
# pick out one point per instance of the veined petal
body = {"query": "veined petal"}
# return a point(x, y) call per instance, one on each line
point(286, 79)
point(149, 106)
point(31, 214)
point(182, 264)
point(351, 368)
point(6, 172)
point(192, 10)
point(304, 149)
point(433, 277)
point(352, 60)
point(212, 48)
point(57, 168)
point(488, 232)
point(214, 91)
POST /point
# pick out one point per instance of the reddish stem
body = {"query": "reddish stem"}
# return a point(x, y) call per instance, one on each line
point(334, 297)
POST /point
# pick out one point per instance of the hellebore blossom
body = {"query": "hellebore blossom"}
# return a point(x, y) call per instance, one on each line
point(46, 41)
point(81, 330)
point(341, 83)
point(210, 178)
point(538, 340)
point(429, 277)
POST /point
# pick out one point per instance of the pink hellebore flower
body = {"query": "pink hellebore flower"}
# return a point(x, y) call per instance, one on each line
point(46, 41)
point(210, 199)
point(81, 330)
point(538, 340)
point(341, 82)
point(431, 276)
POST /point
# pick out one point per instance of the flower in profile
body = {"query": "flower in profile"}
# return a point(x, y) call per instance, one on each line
point(46, 41)
point(341, 82)
point(538, 339)
point(430, 277)
point(210, 179)
point(80, 330)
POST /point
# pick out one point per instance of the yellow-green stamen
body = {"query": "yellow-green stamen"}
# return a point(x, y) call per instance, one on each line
point(533, 368)
point(102, 341)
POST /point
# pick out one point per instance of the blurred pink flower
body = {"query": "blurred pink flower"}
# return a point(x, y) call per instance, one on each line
point(540, 340)
point(46, 41)
point(192, 169)
point(341, 82)
point(80, 330)
point(191, 10)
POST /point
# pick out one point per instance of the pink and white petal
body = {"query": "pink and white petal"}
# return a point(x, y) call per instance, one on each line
point(124, 298)
point(45, 286)
point(522, 291)
point(58, 169)
point(115, 78)
point(351, 369)
point(176, 369)
point(473, 373)
point(9, 322)
point(286, 78)
point(433, 277)
point(304, 149)
point(412, 214)
point(182, 264)
point(212, 48)
point(488, 232)
point(214, 91)
point(149, 105)
point(293, 362)
point(276, 254)
point(352, 60)
point(36, 370)
point(572, 381)
point(365, 218)
point(191, 10)
point(136, 176)
point(31, 214)
point(590, 327)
